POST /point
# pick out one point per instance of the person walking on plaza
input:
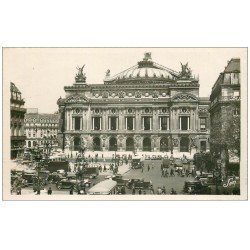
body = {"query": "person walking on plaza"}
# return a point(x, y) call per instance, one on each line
point(172, 172)
point(19, 190)
point(71, 191)
point(172, 191)
point(148, 167)
point(163, 190)
point(166, 172)
point(49, 191)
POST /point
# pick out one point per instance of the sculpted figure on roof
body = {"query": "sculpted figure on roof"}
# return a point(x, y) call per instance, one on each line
point(185, 71)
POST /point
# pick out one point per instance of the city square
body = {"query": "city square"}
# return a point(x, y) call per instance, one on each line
point(145, 131)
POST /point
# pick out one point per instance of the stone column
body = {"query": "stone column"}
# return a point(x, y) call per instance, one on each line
point(155, 120)
point(89, 119)
point(69, 118)
point(138, 119)
point(121, 120)
point(196, 119)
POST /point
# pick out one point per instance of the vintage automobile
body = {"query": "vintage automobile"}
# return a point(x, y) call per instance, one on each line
point(67, 184)
point(136, 162)
point(55, 177)
point(91, 172)
point(29, 178)
point(120, 180)
point(139, 184)
point(196, 187)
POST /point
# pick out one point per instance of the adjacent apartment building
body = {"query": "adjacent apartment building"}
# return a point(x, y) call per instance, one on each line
point(17, 112)
point(40, 129)
point(225, 117)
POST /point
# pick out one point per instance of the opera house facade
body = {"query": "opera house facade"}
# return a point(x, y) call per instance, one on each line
point(147, 107)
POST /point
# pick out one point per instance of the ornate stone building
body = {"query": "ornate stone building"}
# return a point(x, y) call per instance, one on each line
point(147, 107)
point(225, 114)
point(17, 112)
point(41, 129)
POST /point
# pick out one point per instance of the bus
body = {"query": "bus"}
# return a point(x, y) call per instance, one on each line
point(103, 188)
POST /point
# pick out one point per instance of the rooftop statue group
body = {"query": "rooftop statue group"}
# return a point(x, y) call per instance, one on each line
point(80, 76)
point(185, 71)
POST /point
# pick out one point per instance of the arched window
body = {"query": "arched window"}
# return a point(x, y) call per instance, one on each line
point(147, 144)
point(97, 144)
point(130, 144)
point(112, 144)
point(164, 144)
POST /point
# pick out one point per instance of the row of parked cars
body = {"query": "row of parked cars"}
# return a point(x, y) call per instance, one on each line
point(62, 179)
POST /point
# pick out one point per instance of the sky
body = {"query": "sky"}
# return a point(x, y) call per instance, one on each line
point(41, 73)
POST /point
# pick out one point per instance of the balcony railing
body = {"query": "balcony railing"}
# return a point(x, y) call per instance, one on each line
point(18, 109)
point(225, 99)
point(229, 98)
point(18, 138)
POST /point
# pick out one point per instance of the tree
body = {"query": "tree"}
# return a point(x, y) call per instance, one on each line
point(225, 129)
point(231, 131)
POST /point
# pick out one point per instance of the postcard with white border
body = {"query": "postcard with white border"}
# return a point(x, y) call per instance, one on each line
point(125, 123)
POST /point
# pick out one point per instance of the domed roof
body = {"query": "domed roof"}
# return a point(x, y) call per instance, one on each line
point(145, 69)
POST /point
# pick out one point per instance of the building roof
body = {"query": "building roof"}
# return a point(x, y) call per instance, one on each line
point(46, 118)
point(233, 66)
point(13, 88)
point(145, 69)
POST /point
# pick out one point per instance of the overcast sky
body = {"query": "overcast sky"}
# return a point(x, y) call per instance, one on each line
point(40, 74)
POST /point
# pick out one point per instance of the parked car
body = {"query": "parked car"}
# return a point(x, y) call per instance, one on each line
point(139, 184)
point(55, 177)
point(196, 187)
point(67, 184)
point(120, 180)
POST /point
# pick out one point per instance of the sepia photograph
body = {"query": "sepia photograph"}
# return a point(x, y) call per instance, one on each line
point(125, 123)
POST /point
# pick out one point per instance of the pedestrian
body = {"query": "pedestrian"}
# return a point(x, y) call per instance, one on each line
point(123, 191)
point(172, 191)
point(162, 173)
point(172, 172)
point(71, 191)
point(19, 190)
point(139, 191)
point(148, 167)
point(50, 191)
point(133, 190)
